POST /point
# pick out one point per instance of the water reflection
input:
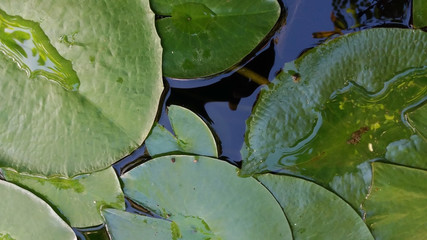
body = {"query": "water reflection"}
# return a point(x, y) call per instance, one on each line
point(25, 42)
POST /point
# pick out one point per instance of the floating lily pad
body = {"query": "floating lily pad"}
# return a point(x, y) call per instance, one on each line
point(124, 225)
point(202, 37)
point(410, 152)
point(47, 129)
point(314, 212)
point(25, 216)
point(205, 198)
point(396, 206)
point(79, 199)
point(337, 107)
point(419, 13)
point(192, 135)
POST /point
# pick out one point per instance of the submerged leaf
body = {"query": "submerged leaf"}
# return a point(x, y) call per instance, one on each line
point(205, 198)
point(396, 206)
point(344, 110)
point(25, 216)
point(79, 199)
point(203, 37)
point(124, 226)
point(192, 135)
point(45, 129)
point(313, 212)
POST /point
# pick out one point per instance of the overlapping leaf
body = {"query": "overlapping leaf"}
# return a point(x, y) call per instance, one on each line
point(124, 225)
point(396, 205)
point(115, 52)
point(205, 198)
point(313, 212)
point(203, 37)
point(79, 199)
point(25, 216)
point(337, 107)
point(192, 135)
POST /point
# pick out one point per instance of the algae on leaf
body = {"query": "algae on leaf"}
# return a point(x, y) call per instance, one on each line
point(204, 37)
point(314, 212)
point(342, 110)
point(46, 129)
point(79, 199)
point(25, 216)
point(396, 206)
point(192, 135)
point(205, 198)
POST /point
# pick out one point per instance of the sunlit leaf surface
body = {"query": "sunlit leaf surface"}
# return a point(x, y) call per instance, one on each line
point(25, 216)
point(65, 127)
point(206, 199)
point(79, 199)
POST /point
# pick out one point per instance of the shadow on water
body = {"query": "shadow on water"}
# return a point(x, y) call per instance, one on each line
point(226, 101)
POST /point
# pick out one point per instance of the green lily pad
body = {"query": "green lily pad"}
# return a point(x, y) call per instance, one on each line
point(418, 118)
point(202, 37)
point(419, 13)
point(79, 199)
point(124, 225)
point(205, 198)
point(396, 206)
point(46, 128)
point(410, 152)
point(25, 216)
point(314, 212)
point(337, 107)
point(192, 135)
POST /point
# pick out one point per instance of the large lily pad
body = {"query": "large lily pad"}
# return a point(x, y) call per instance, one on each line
point(396, 206)
point(25, 216)
point(336, 107)
point(124, 226)
point(47, 129)
point(79, 199)
point(205, 198)
point(203, 37)
point(314, 212)
point(192, 135)
point(419, 13)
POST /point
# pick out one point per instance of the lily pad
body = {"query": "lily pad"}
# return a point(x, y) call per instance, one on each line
point(79, 199)
point(205, 198)
point(314, 212)
point(409, 152)
point(337, 107)
point(396, 206)
point(192, 135)
point(25, 216)
point(419, 13)
point(202, 37)
point(46, 128)
point(124, 225)
point(418, 118)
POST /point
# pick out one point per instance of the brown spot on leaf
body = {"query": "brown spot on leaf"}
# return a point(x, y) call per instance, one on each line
point(357, 135)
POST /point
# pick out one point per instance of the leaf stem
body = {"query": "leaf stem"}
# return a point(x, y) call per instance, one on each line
point(253, 76)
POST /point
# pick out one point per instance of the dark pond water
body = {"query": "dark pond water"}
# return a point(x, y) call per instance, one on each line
point(225, 101)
